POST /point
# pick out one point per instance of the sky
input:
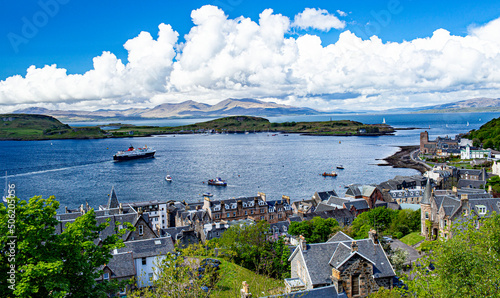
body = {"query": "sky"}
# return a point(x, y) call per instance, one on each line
point(327, 55)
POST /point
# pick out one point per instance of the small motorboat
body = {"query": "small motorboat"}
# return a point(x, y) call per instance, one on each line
point(207, 194)
point(332, 174)
point(340, 167)
point(217, 182)
point(168, 178)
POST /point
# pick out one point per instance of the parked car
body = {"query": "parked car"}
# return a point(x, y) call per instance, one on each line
point(387, 239)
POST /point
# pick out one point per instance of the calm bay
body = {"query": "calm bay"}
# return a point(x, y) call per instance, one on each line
point(79, 171)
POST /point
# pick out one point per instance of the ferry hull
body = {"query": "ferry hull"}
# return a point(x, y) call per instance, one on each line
point(135, 156)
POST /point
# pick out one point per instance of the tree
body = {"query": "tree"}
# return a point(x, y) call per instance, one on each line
point(178, 277)
point(47, 264)
point(398, 258)
point(465, 265)
point(379, 219)
point(251, 247)
point(315, 230)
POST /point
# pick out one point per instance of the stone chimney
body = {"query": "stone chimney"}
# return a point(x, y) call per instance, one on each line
point(65, 209)
point(454, 190)
point(490, 190)
point(286, 198)
point(245, 290)
point(82, 211)
point(372, 234)
point(354, 246)
point(120, 208)
point(262, 196)
point(302, 243)
point(139, 211)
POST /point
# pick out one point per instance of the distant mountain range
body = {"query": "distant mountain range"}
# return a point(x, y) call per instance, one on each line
point(186, 109)
point(480, 104)
point(249, 107)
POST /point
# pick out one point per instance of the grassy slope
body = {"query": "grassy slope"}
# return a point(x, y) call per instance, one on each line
point(40, 127)
point(232, 277)
point(412, 238)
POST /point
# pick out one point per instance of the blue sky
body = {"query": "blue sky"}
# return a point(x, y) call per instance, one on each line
point(72, 33)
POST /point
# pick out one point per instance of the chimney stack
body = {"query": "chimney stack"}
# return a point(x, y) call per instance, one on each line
point(120, 208)
point(354, 246)
point(372, 234)
point(490, 190)
point(303, 243)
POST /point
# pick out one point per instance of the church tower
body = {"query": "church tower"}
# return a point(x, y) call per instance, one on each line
point(425, 207)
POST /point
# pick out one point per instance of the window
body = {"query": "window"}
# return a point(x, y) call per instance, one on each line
point(271, 216)
point(481, 209)
point(105, 276)
point(262, 218)
point(355, 285)
point(279, 215)
point(228, 214)
point(141, 230)
point(262, 210)
point(234, 214)
point(150, 275)
point(217, 216)
point(251, 211)
point(246, 212)
point(144, 261)
point(426, 215)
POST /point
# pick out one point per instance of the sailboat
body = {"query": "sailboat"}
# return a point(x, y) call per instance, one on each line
point(467, 123)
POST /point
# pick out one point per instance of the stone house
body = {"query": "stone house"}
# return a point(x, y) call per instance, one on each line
point(431, 147)
point(443, 208)
point(371, 194)
point(354, 267)
point(255, 208)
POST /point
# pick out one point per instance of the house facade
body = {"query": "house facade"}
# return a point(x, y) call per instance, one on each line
point(354, 267)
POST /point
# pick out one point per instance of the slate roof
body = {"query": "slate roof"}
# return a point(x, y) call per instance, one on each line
point(317, 257)
point(356, 190)
point(149, 247)
point(466, 183)
point(359, 204)
point(323, 292)
point(113, 199)
point(427, 193)
point(320, 257)
point(121, 265)
point(325, 195)
point(174, 231)
point(280, 226)
point(339, 236)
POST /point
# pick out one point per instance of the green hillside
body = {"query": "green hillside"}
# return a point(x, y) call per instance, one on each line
point(240, 124)
point(488, 135)
point(41, 127)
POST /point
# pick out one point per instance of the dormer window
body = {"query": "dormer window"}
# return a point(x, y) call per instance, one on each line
point(141, 230)
point(105, 276)
point(481, 209)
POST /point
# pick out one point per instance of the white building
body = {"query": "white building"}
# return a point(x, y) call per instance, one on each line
point(468, 153)
point(147, 256)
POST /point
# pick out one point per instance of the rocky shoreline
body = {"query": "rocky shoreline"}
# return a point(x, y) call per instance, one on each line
point(402, 159)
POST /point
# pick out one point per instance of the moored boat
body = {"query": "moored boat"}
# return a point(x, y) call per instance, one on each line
point(331, 174)
point(207, 194)
point(168, 178)
point(340, 167)
point(133, 153)
point(217, 182)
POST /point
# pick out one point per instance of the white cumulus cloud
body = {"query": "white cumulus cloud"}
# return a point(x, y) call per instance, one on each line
point(241, 58)
point(319, 19)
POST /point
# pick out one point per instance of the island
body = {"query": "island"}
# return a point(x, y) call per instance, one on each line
point(42, 127)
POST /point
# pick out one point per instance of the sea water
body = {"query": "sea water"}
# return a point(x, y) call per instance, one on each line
point(79, 171)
